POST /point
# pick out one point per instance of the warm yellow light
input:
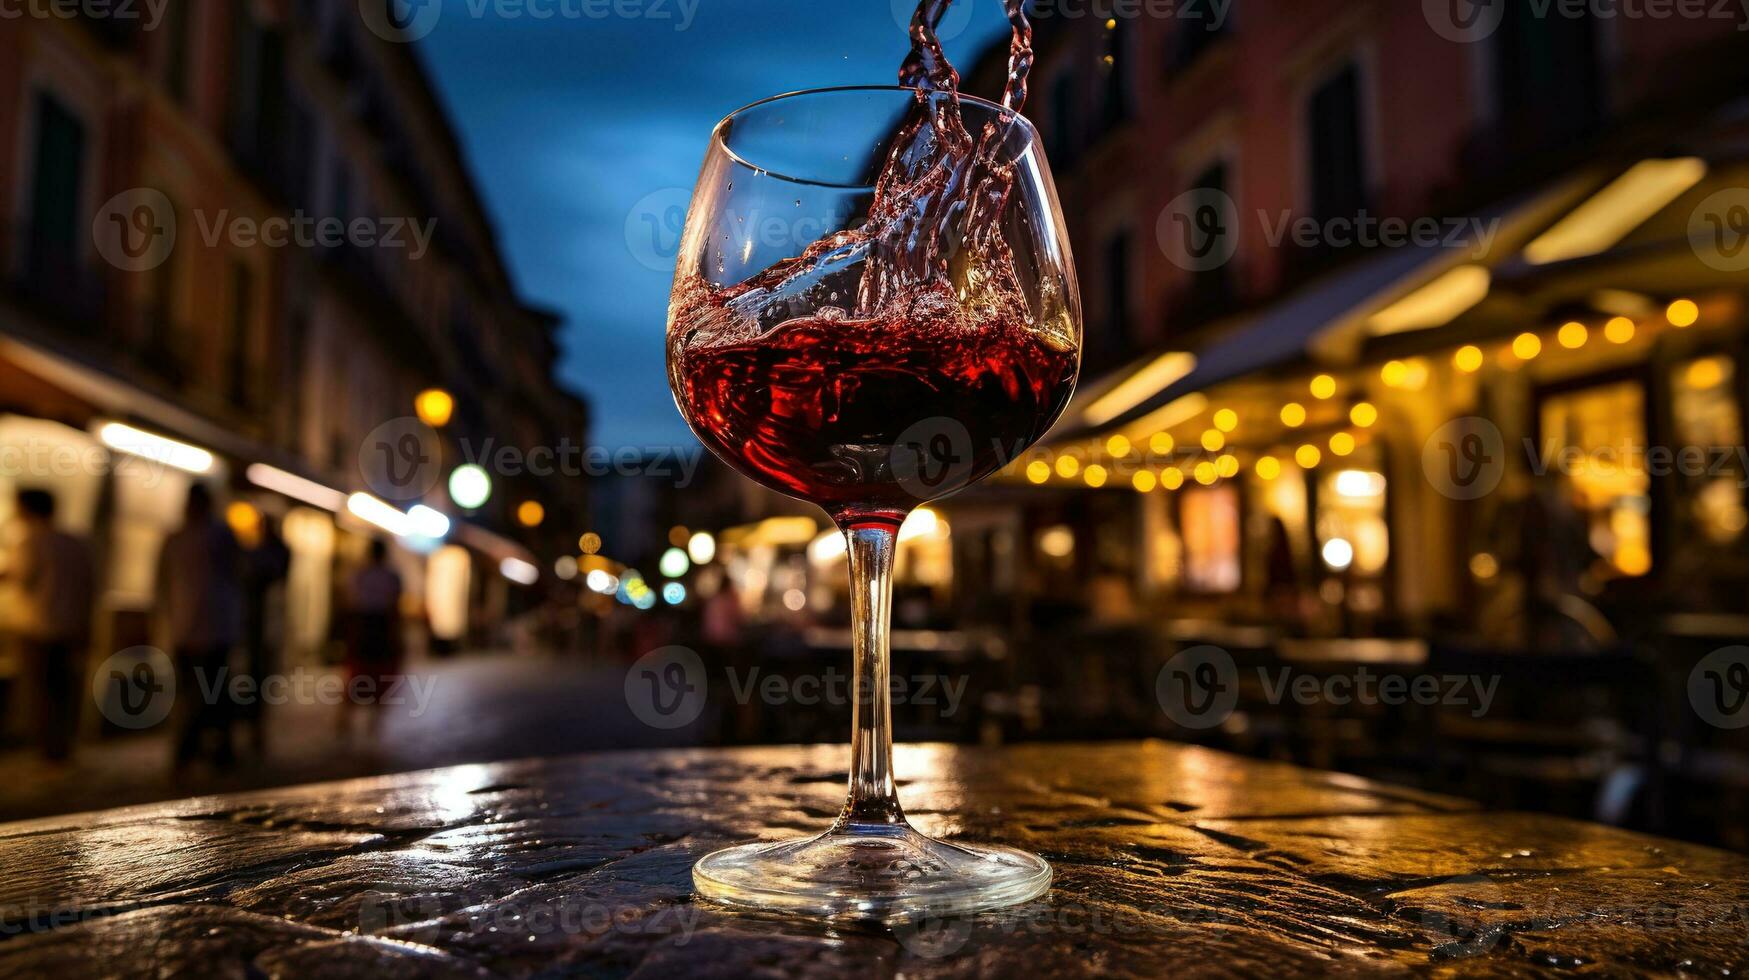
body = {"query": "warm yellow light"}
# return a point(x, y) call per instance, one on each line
point(1144, 481)
point(1619, 330)
point(1435, 304)
point(1057, 542)
point(1395, 374)
point(151, 446)
point(1573, 335)
point(1706, 373)
point(1213, 440)
point(1206, 474)
point(1139, 387)
point(1363, 414)
point(368, 508)
point(1118, 446)
point(678, 535)
point(1415, 373)
point(1526, 346)
point(1172, 478)
point(589, 543)
point(1342, 444)
point(1323, 386)
point(1468, 359)
point(434, 406)
point(1683, 313)
point(1633, 559)
point(1293, 415)
point(1227, 465)
point(1038, 471)
point(1161, 443)
point(245, 521)
point(1618, 209)
point(1484, 566)
point(1095, 476)
point(1068, 466)
point(1268, 467)
point(1226, 420)
point(1308, 456)
point(530, 513)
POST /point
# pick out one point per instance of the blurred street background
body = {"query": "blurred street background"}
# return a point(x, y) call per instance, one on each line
point(335, 436)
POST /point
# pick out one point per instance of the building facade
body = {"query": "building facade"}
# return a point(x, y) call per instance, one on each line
point(1375, 300)
point(248, 229)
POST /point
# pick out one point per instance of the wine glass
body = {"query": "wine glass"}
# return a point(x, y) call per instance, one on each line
point(874, 306)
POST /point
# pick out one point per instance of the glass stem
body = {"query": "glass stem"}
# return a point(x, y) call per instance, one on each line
point(873, 806)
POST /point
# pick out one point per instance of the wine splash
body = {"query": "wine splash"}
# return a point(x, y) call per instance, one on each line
point(806, 375)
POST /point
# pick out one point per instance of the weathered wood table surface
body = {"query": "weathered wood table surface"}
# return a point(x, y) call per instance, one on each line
point(1169, 861)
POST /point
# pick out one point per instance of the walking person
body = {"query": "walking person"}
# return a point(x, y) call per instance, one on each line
point(374, 604)
point(265, 567)
point(53, 575)
point(200, 598)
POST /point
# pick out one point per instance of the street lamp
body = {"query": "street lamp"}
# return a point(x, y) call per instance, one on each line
point(434, 407)
point(469, 486)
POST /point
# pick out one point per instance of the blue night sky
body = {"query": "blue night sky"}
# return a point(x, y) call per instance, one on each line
point(569, 123)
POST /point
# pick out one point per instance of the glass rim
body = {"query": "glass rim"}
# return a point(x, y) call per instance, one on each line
point(717, 131)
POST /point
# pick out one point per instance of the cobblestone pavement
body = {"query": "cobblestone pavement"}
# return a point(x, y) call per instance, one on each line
point(482, 707)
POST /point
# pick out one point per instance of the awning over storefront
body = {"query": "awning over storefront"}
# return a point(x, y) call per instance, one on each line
point(1331, 320)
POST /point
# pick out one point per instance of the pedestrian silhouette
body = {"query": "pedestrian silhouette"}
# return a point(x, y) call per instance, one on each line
point(200, 601)
point(52, 574)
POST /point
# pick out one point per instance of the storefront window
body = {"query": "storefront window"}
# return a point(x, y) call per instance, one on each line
point(1209, 520)
point(1596, 438)
point(1352, 534)
point(1707, 417)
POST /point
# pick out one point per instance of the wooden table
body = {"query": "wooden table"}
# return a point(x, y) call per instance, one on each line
point(1170, 861)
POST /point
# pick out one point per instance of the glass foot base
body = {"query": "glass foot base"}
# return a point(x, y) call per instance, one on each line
point(888, 873)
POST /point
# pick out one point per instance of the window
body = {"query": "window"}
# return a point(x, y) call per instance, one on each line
point(59, 163)
point(1117, 290)
point(1119, 102)
point(1706, 415)
point(54, 201)
point(1211, 290)
point(242, 323)
point(246, 82)
point(1209, 521)
point(1064, 137)
point(1199, 25)
point(181, 40)
point(1596, 437)
point(1336, 146)
point(1547, 75)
